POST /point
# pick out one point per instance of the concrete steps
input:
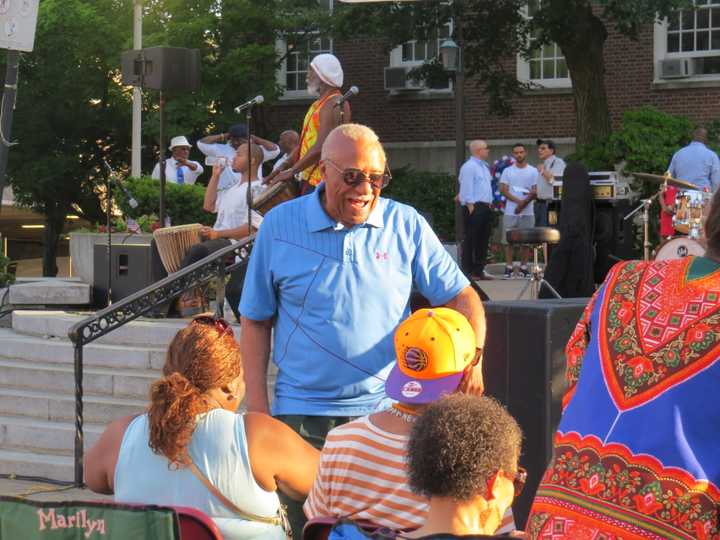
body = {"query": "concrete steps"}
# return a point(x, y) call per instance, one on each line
point(37, 386)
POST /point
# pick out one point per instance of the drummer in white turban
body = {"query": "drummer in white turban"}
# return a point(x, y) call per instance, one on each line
point(324, 79)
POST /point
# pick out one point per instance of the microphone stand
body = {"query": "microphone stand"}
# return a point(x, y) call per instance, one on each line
point(108, 218)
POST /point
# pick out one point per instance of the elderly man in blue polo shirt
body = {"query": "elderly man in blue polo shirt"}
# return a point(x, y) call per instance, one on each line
point(696, 163)
point(331, 273)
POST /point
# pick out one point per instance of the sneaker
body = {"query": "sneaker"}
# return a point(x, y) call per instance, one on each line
point(524, 271)
point(508, 272)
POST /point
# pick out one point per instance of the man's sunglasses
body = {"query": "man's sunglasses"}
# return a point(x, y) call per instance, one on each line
point(220, 324)
point(354, 177)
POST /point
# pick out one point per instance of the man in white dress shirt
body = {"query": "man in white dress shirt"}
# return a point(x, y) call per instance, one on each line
point(550, 167)
point(178, 168)
point(475, 196)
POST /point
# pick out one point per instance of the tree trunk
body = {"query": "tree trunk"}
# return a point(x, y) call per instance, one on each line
point(51, 235)
point(583, 51)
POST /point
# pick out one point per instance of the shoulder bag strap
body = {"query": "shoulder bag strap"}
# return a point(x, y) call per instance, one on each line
point(275, 520)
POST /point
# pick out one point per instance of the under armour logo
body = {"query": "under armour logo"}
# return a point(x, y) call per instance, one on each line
point(381, 255)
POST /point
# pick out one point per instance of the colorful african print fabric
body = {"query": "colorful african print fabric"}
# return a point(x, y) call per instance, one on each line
point(637, 451)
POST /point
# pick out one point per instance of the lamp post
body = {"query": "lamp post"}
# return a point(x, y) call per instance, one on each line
point(137, 95)
point(452, 61)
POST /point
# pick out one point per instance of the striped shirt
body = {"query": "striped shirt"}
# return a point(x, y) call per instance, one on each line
point(362, 476)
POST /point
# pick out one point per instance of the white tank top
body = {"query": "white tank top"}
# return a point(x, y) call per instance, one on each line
point(219, 449)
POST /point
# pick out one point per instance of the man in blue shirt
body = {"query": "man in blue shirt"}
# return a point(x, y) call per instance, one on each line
point(475, 196)
point(329, 279)
point(696, 163)
point(332, 273)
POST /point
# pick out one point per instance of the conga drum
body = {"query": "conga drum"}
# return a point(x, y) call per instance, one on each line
point(173, 244)
point(274, 195)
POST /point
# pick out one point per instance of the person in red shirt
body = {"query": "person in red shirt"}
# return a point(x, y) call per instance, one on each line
point(667, 210)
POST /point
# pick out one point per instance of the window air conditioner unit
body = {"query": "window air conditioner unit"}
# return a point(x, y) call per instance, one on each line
point(677, 68)
point(396, 79)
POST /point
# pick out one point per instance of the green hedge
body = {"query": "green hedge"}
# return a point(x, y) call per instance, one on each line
point(183, 203)
point(428, 192)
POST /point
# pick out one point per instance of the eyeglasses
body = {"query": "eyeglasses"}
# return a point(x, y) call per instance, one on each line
point(518, 480)
point(220, 324)
point(354, 177)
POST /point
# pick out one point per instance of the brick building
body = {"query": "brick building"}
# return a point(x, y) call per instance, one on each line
point(674, 66)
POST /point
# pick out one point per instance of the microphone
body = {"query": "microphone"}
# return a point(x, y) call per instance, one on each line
point(130, 199)
point(257, 100)
point(352, 91)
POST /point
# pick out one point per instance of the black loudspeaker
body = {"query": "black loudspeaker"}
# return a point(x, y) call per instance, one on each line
point(613, 236)
point(130, 270)
point(524, 368)
point(162, 68)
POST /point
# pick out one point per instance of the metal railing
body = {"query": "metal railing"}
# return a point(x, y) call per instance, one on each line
point(120, 313)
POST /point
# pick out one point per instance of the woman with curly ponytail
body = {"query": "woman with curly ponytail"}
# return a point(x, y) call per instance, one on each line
point(192, 444)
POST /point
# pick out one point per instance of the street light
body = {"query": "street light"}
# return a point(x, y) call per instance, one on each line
point(450, 55)
point(452, 61)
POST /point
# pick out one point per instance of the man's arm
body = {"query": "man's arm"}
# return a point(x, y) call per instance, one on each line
point(329, 120)
point(468, 303)
point(465, 193)
point(255, 351)
point(233, 234)
point(211, 191)
point(505, 190)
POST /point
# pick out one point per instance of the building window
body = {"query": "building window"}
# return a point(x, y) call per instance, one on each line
point(698, 30)
point(415, 53)
point(687, 44)
point(296, 56)
point(298, 59)
point(546, 65)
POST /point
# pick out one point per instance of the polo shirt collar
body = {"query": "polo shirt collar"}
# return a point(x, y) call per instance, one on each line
point(318, 220)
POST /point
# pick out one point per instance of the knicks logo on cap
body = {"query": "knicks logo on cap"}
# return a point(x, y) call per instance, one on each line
point(415, 359)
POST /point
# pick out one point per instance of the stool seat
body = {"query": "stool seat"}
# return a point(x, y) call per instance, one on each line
point(533, 235)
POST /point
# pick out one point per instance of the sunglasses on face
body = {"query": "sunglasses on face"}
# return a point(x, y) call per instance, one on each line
point(354, 177)
point(220, 324)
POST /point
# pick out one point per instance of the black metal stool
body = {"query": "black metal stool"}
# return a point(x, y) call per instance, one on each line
point(537, 238)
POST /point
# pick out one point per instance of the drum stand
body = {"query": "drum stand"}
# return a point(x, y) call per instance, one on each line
point(645, 207)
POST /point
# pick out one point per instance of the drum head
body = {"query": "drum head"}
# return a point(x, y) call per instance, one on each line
point(679, 247)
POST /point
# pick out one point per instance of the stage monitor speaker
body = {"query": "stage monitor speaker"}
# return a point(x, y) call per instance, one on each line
point(613, 236)
point(524, 368)
point(162, 68)
point(130, 271)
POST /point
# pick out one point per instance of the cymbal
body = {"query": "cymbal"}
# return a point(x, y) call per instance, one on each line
point(659, 178)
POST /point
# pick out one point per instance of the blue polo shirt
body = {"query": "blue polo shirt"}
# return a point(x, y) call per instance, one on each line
point(337, 294)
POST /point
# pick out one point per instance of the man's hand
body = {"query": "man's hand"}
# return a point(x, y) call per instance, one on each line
point(520, 206)
point(209, 233)
point(280, 176)
point(472, 382)
point(471, 208)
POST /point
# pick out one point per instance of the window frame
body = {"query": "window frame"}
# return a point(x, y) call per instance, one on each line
point(523, 66)
point(396, 61)
point(660, 52)
point(282, 52)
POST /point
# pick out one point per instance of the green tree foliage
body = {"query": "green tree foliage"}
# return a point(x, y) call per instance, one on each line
point(429, 193)
point(72, 109)
point(184, 202)
point(493, 32)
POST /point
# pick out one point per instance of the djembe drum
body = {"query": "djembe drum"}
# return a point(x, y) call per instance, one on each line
point(173, 244)
point(274, 195)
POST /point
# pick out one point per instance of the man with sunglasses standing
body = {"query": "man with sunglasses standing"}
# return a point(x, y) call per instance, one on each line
point(331, 273)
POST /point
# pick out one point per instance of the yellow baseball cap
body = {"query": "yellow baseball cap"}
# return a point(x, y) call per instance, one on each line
point(433, 348)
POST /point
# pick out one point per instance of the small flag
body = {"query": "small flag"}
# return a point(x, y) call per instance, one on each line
point(133, 226)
